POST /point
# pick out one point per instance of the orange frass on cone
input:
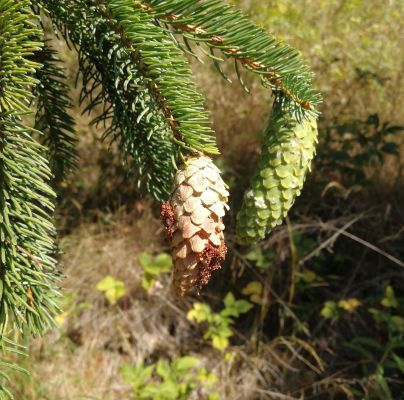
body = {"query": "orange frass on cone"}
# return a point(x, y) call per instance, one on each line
point(193, 222)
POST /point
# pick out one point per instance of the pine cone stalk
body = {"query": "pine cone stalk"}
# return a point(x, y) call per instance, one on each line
point(193, 220)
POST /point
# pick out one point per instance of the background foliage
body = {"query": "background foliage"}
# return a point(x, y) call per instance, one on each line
point(322, 299)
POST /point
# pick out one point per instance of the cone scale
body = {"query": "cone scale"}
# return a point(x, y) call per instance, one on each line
point(289, 147)
point(193, 220)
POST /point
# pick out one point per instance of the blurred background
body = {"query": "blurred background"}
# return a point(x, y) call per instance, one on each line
point(316, 311)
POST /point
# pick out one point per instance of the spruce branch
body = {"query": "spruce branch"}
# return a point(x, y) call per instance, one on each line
point(116, 89)
point(8, 346)
point(28, 272)
point(52, 119)
point(169, 73)
point(219, 26)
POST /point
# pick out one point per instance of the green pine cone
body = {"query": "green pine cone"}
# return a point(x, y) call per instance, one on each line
point(289, 147)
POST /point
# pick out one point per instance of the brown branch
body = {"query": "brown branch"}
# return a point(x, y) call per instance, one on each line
point(374, 248)
point(32, 257)
point(331, 240)
point(270, 75)
point(154, 89)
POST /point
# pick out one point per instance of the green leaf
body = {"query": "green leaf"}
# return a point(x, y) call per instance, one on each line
point(170, 390)
point(145, 259)
point(229, 300)
point(163, 369)
point(389, 299)
point(255, 254)
point(112, 288)
point(399, 362)
point(243, 306)
point(383, 385)
point(254, 290)
point(207, 378)
point(146, 373)
point(224, 331)
point(136, 376)
point(156, 392)
point(199, 313)
point(220, 343)
point(129, 373)
point(329, 310)
point(309, 276)
point(163, 261)
point(184, 364)
point(398, 322)
point(155, 266)
point(350, 304)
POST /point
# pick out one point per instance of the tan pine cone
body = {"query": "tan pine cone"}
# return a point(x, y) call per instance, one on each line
point(193, 222)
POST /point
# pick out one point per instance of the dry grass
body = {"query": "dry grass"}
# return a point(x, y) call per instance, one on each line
point(81, 359)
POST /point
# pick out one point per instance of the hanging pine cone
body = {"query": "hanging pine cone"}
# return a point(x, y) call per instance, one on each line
point(193, 222)
point(289, 147)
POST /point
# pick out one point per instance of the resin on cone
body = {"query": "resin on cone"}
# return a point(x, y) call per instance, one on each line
point(193, 220)
point(289, 146)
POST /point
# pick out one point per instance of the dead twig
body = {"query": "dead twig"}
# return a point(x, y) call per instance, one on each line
point(32, 257)
point(330, 241)
point(372, 247)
